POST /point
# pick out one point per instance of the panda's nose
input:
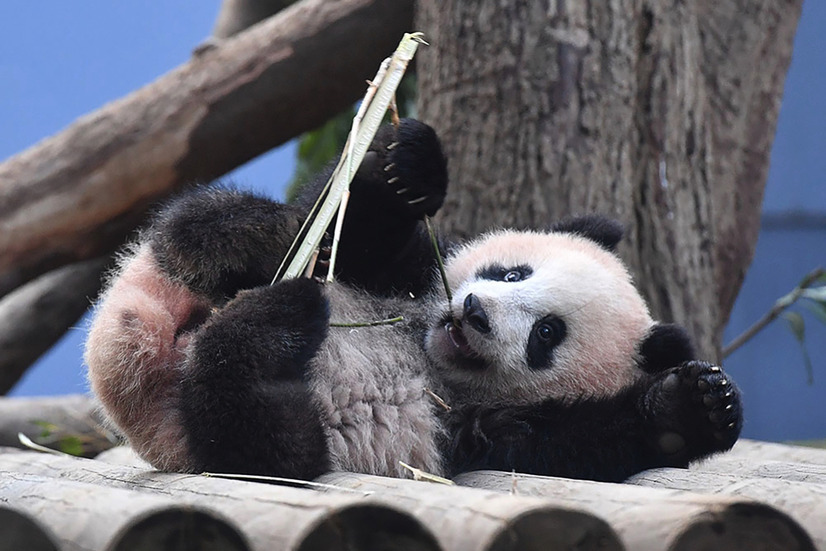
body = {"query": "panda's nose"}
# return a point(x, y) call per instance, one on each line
point(474, 315)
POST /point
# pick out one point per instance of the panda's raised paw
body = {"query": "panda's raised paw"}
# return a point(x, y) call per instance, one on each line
point(719, 400)
point(701, 404)
point(409, 161)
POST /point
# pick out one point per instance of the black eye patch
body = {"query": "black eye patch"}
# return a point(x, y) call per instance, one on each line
point(497, 272)
point(546, 334)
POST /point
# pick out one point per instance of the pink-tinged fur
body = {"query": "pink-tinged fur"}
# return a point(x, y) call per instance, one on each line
point(134, 357)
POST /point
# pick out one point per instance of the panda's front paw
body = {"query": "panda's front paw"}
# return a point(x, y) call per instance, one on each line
point(409, 162)
point(698, 409)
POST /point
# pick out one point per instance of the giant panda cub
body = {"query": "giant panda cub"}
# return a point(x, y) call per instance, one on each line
point(545, 361)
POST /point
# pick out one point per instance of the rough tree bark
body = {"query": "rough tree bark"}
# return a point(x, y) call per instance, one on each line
point(660, 113)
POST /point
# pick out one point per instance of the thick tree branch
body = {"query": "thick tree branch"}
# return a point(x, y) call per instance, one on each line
point(36, 315)
point(77, 194)
point(237, 15)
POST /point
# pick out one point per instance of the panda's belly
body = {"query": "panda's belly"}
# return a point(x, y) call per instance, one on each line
point(370, 385)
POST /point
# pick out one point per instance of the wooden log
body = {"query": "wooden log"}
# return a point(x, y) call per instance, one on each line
point(749, 468)
point(36, 315)
point(92, 517)
point(271, 517)
point(70, 416)
point(21, 531)
point(124, 456)
point(651, 520)
point(467, 519)
point(804, 502)
point(77, 194)
point(770, 451)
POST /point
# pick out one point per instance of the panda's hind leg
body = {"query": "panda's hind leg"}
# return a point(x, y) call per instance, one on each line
point(218, 241)
point(247, 407)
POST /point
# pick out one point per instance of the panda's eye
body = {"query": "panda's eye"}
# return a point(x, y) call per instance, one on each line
point(497, 272)
point(547, 333)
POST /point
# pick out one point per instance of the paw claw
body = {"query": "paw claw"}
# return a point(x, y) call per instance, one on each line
point(390, 167)
point(392, 145)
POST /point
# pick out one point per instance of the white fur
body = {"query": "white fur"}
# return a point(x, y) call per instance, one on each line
point(574, 279)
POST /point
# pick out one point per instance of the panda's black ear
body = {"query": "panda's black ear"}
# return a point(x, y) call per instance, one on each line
point(605, 231)
point(667, 345)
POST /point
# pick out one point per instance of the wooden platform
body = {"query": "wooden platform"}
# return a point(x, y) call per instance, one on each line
point(759, 496)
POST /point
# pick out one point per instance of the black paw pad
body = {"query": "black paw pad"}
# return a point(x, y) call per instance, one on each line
point(718, 398)
point(716, 401)
point(697, 409)
point(413, 167)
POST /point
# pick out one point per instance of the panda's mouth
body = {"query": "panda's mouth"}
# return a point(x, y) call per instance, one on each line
point(468, 358)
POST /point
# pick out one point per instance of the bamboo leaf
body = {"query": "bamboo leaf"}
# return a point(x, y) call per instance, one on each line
point(817, 294)
point(71, 445)
point(818, 309)
point(797, 325)
point(798, 328)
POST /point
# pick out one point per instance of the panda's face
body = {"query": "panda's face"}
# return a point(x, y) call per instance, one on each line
point(537, 316)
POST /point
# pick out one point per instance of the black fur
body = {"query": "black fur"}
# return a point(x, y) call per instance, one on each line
point(546, 334)
point(245, 400)
point(384, 247)
point(665, 346)
point(219, 241)
point(604, 231)
point(682, 410)
point(668, 419)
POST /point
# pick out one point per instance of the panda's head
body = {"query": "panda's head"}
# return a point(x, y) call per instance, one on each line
point(540, 315)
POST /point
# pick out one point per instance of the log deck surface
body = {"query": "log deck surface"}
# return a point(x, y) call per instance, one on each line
point(758, 496)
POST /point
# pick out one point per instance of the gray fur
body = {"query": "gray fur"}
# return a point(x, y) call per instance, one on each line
point(370, 383)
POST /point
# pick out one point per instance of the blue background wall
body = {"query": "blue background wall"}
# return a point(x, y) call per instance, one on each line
point(58, 62)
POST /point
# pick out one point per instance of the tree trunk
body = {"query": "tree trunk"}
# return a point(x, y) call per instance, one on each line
point(660, 114)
